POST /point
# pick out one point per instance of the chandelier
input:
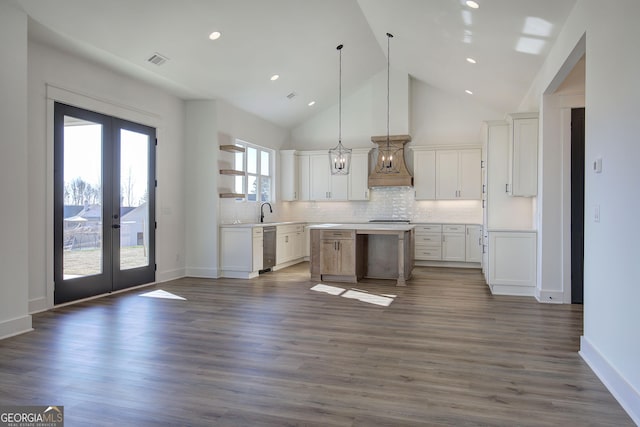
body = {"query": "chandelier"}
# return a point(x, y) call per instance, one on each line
point(340, 156)
point(389, 161)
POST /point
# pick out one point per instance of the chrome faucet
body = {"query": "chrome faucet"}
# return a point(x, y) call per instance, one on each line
point(262, 213)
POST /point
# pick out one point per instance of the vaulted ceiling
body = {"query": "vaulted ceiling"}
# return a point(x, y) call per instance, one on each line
point(297, 39)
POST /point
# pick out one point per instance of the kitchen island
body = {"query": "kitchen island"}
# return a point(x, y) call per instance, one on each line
point(350, 252)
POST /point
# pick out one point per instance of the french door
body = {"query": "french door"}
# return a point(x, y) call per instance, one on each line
point(104, 203)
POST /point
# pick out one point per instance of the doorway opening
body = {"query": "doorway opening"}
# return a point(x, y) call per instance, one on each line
point(577, 205)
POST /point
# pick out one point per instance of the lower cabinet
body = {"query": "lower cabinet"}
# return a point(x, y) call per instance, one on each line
point(453, 242)
point(240, 251)
point(473, 243)
point(448, 242)
point(289, 243)
point(512, 262)
point(338, 256)
point(258, 248)
point(428, 242)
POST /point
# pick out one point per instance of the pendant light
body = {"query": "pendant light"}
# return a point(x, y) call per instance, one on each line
point(389, 152)
point(339, 156)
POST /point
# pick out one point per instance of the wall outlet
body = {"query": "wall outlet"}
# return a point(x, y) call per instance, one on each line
point(596, 213)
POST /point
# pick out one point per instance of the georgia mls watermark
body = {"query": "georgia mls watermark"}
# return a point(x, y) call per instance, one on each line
point(31, 416)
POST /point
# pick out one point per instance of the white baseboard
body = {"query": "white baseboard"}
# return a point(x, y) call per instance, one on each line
point(37, 305)
point(287, 264)
point(202, 273)
point(624, 393)
point(454, 264)
point(165, 276)
point(550, 297)
point(232, 274)
point(522, 291)
point(15, 326)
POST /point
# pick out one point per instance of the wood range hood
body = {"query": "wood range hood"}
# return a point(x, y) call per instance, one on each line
point(402, 178)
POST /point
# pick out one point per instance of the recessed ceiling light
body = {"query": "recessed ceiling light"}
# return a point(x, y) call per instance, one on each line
point(468, 91)
point(312, 103)
point(471, 60)
point(472, 4)
point(215, 35)
point(275, 77)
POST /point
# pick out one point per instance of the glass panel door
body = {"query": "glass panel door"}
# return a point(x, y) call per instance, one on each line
point(104, 233)
point(134, 220)
point(82, 217)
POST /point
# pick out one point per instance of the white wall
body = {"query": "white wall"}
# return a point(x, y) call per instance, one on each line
point(611, 343)
point(201, 157)
point(14, 178)
point(94, 87)
point(440, 118)
point(364, 114)
point(210, 124)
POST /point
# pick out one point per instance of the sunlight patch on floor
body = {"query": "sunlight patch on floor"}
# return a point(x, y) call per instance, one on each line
point(357, 294)
point(162, 294)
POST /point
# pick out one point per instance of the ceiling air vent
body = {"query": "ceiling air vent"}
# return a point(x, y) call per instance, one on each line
point(157, 59)
point(292, 95)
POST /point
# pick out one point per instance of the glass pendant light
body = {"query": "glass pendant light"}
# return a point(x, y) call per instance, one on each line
point(340, 156)
point(389, 161)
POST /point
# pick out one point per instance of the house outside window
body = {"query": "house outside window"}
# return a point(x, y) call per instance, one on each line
point(257, 162)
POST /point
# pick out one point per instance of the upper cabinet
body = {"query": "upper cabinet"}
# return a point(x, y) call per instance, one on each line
point(314, 180)
point(447, 174)
point(523, 155)
point(324, 185)
point(359, 175)
point(424, 174)
point(288, 176)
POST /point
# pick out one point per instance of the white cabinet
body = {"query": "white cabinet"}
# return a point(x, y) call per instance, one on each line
point(323, 185)
point(257, 249)
point(289, 243)
point(315, 181)
point(359, 175)
point(523, 155)
point(240, 251)
point(512, 262)
point(453, 242)
point(428, 242)
point(448, 242)
point(424, 174)
point(447, 174)
point(288, 175)
point(500, 210)
point(473, 243)
point(458, 174)
point(304, 176)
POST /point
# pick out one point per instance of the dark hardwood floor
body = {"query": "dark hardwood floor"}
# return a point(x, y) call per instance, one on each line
point(271, 352)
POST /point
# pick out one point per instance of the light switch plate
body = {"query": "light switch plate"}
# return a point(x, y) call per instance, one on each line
point(597, 165)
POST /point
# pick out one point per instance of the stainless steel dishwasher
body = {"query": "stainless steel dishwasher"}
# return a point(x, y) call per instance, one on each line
point(268, 248)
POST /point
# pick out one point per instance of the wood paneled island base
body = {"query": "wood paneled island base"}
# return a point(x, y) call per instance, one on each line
point(350, 252)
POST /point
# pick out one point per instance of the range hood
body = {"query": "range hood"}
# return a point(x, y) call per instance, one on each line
point(402, 178)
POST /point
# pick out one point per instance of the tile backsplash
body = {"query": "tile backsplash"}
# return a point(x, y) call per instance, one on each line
point(385, 203)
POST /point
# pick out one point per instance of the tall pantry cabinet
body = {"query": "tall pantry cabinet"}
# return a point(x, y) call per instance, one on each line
point(509, 238)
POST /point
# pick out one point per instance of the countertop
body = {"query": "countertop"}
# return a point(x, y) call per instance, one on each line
point(361, 227)
point(261, 224)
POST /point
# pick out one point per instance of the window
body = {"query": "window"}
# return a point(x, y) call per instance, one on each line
point(257, 162)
